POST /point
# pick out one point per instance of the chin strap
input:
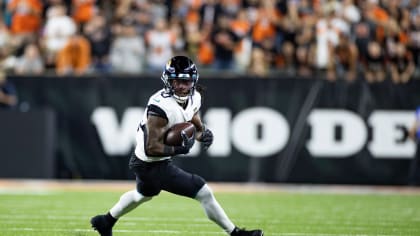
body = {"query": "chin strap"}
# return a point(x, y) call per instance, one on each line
point(182, 100)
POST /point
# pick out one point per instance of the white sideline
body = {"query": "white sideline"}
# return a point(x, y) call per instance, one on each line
point(38, 186)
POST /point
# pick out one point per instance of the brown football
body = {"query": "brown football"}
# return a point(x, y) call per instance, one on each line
point(173, 135)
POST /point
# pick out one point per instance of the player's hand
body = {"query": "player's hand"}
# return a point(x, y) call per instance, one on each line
point(187, 142)
point(206, 138)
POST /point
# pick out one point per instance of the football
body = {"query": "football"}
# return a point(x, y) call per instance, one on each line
point(173, 135)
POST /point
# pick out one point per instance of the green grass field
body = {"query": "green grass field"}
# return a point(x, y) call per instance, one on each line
point(279, 213)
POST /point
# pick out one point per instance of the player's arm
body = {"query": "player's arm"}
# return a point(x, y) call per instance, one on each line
point(155, 130)
point(203, 134)
point(199, 126)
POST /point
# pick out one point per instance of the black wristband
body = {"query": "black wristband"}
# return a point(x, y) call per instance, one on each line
point(168, 150)
point(180, 150)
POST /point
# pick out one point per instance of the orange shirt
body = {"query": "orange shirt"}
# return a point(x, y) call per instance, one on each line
point(403, 37)
point(240, 27)
point(193, 17)
point(205, 53)
point(75, 55)
point(380, 14)
point(26, 16)
point(263, 27)
point(83, 10)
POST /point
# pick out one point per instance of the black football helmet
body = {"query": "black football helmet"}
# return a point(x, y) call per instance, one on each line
point(183, 68)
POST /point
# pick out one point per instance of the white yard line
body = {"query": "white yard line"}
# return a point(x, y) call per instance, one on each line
point(116, 231)
point(312, 234)
point(177, 232)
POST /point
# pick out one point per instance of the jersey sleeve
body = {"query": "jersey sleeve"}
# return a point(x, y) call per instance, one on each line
point(153, 110)
point(157, 106)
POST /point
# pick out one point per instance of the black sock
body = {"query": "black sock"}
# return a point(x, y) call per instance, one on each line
point(235, 231)
point(110, 218)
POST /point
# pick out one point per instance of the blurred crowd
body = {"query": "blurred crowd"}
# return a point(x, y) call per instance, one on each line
point(373, 40)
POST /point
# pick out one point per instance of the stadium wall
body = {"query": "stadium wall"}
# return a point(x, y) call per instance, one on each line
point(27, 143)
point(266, 130)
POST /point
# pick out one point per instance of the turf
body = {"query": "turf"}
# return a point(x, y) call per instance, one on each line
point(293, 214)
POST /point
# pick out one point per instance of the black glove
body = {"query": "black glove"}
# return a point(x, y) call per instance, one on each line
point(187, 143)
point(206, 138)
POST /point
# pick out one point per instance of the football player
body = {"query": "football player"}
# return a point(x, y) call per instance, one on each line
point(179, 101)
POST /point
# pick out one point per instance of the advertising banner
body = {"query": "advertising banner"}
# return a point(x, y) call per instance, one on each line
point(268, 130)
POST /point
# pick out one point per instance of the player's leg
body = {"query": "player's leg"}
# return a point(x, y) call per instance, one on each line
point(147, 187)
point(127, 202)
point(213, 209)
point(215, 212)
point(182, 183)
point(194, 186)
